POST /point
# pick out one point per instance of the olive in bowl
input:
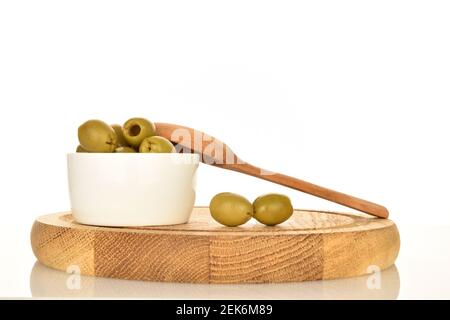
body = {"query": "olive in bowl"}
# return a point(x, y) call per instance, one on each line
point(121, 141)
point(97, 136)
point(156, 144)
point(135, 130)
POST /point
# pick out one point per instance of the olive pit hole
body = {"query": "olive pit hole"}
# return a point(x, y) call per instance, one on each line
point(134, 130)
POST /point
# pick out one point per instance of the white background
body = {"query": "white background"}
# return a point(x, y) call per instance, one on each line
point(352, 95)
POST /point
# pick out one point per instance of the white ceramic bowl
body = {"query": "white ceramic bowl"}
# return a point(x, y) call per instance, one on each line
point(132, 189)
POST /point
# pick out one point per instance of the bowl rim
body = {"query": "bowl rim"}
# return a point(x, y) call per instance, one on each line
point(194, 156)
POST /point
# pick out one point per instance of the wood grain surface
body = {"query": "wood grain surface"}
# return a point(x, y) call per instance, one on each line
point(312, 245)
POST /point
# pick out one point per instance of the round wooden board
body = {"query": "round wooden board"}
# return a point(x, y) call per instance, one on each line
point(312, 245)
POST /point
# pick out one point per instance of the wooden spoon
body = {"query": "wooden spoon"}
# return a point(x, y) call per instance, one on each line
point(216, 153)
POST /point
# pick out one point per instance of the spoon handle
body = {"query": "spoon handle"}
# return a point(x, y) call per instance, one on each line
point(187, 137)
point(312, 189)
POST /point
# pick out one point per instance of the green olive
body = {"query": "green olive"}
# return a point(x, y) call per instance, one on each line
point(125, 150)
point(121, 142)
point(272, 209)
point(230, 209)
point(97, 136)
point(81, 149)
point(136, 130)
point(156, 144)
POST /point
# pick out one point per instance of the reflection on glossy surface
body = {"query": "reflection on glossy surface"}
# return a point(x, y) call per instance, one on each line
point(46, 282)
